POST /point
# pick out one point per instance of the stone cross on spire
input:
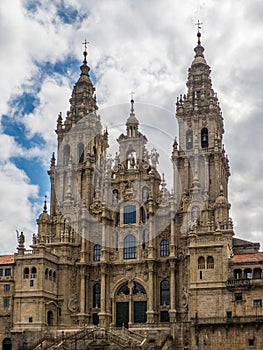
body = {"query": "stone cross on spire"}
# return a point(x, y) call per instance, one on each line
point(85, 44)
point(85, 51)
point(198, 24)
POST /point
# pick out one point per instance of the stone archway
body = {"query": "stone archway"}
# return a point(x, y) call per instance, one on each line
point(7, 344)
point(130, 304)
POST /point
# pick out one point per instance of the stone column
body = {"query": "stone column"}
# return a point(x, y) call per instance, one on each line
point(150, 312)
point(172, 311)
point(172, 213)
point(102, 313)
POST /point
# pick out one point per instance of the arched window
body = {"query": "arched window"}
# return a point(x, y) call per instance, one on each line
point(96, 252)
point(66, 154)
point(204, 138)
point(189, 139)
point(50, 318)
point(210, 262)
point(54, 276)
point(138, 288)
point(7, 344)
point(248, 273)
point(129, 251)
point(124, 290)
point(96, 295)
point(143, 216)
point(257, 273)
point(26, 272)
point(164, 247)
point(33, 272)
point(198, 94)
point(130, 214)
point(46, 274)
point(165, 292)
point(81, 152)
point(201, 263)
point(238, 274)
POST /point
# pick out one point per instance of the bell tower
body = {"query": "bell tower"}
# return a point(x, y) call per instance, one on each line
point(201, 173)
point(201, 167)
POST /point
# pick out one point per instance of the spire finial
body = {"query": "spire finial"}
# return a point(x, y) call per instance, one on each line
point(198, 24)
point(132, 102)
point(85, 51)
point(45, 205)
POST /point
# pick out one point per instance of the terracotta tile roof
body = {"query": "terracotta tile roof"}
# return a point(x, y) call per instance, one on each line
point(253, 257)
point(6, 259)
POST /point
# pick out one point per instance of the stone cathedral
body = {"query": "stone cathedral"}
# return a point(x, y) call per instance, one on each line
point(118, 261)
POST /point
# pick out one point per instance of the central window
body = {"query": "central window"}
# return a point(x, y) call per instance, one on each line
point(129, 251)
point(129, 214)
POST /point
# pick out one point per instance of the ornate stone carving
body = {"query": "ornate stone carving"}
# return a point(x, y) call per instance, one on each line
point(73, 304)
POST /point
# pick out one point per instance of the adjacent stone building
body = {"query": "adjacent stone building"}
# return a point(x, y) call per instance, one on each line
point(121, 262)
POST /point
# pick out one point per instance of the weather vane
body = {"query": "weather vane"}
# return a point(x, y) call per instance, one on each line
point(85, 44)
point(198, 24)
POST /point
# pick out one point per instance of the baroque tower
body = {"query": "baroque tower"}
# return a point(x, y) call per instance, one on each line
point(201, 173)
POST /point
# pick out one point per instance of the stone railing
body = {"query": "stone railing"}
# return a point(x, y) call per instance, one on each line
point(238, 282)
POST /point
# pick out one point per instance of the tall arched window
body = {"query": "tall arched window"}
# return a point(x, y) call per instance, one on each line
point(204, 138)
point(257, 273)
point(210, 262)
point(33, 272)
point(66, 154)
point(81, 152)
point(130, 214)
point(50, 318)
point(96, 295)
point(96, 252)
point(201, 263)
point(26, 272)
point(189, 139)
point(165, 292)
point(46, 273)
point(129, 251)
point(164, 247)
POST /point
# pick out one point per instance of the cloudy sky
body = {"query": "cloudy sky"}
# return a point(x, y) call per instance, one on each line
point(141, 46)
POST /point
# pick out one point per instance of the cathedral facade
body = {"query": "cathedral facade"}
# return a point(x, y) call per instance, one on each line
point(119, 262)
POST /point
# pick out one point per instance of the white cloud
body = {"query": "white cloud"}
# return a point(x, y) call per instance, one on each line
point(16, 208)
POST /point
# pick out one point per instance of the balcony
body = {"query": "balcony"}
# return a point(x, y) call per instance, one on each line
point(242, 282)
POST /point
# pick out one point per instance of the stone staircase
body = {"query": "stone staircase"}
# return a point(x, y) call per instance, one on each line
point(95, 338)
